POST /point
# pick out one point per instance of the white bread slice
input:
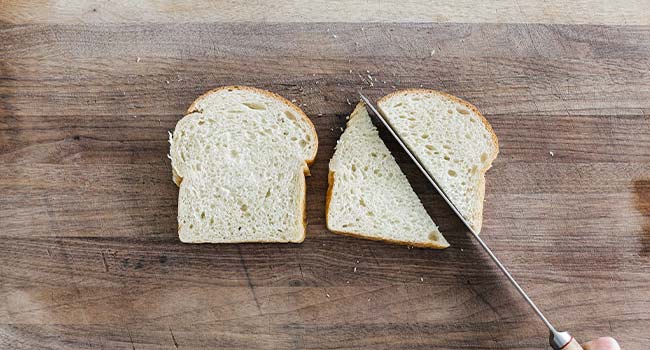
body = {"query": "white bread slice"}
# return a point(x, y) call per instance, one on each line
point(452, 140)
point(240, 157)
point(369, 196)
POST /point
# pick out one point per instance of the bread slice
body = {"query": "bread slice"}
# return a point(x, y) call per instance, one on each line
point(452, 140)
point(368, 194)
point(240, 157)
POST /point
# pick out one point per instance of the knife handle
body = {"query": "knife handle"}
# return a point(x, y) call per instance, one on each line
point(572, 345)
point(563, 341)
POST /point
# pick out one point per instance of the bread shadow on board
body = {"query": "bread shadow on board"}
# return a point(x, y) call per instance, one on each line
point(642, 204)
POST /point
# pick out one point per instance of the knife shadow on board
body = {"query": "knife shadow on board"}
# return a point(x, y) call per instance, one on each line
point(475, 269)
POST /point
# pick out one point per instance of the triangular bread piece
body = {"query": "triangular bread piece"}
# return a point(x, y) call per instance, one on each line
point(240, 157)
point(369, 196)
point(452, 140)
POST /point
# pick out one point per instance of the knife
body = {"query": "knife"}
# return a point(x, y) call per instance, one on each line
point(557, 340)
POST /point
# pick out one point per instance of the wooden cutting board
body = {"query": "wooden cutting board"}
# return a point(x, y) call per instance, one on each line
point(90, 256)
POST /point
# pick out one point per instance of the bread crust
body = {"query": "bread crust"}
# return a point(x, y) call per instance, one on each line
point(479, 217)
point(192, 108)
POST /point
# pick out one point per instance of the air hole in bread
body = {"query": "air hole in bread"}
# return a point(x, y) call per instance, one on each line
point(371, 213)
point(234, 153)
point(433, 236)
point(289, 115)
point(255, 106)
point(468, 136)
point(243, 208)
point(398, 104)
point(412, 119)
point(472, 120)
point(211, 221)
point(354, 167)
point(202, 215)
point(201, 122)
point(373, 154)
point(293, 138)
point(425, 136)
point(302, 143)
point(362, 202)
point(484, 157)
point(402, 116)
point(446, 147)
point(430, 147)
point(462, 111)
point(268, 194)
point(449, 111)
point(446, 157)
point(451, 173)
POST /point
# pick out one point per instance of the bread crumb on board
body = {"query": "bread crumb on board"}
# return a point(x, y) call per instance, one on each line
point(551, 153)
point(355, 269)
point(327, 295)
point(137, 60)
point(421, 279)
point(433, 52)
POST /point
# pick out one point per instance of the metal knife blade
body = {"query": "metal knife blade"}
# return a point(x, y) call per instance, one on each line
point(558, 339)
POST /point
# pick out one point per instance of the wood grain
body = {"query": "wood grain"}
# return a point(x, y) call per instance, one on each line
point(631, 12)
point(90, 257)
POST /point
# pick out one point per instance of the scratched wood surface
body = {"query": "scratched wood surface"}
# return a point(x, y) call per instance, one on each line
point(89, 256)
